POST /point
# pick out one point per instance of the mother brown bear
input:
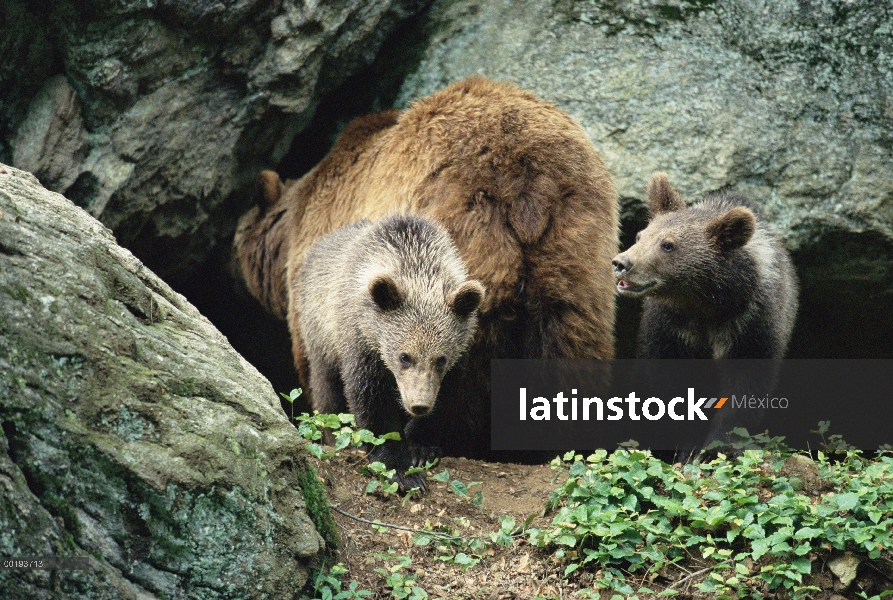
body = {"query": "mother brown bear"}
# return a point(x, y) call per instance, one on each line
point(522, 192)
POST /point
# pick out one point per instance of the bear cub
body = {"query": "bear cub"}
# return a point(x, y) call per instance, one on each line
point(385, 310)
point(716, 283)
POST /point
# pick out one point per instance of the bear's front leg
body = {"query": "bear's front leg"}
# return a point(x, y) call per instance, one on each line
point(401, 456)
point(372, 396)
point(420, 435)
point(328, 393)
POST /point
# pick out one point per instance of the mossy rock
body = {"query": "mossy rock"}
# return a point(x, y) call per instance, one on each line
point(132, 433)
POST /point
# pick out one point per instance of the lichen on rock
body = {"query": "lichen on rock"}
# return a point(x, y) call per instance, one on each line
point(155, 116)
point(131, 431)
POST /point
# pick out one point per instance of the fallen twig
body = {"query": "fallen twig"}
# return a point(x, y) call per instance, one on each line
point(439, 534)
point(696, 573)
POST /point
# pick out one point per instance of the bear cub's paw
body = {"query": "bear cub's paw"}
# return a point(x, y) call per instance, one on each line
point(401, 456)
point(421, 455)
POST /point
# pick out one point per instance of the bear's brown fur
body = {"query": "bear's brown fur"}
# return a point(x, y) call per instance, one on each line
point(520, 188)
point(716, 282)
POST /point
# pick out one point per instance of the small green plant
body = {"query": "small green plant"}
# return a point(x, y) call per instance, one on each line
point(327, 586)
point(451, 546)
point(343, 427)
point(291, 397)
point(381, 478)
point(508, 530)
point(740, 439)
point(402, 585)
point(834, 444)
point(463, 490)
point(631, 512)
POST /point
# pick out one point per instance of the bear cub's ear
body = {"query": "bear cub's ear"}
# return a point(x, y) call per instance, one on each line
point(661, 196)
point(733, 229)
point(466, 298)
point(385, 293)
point(267, 189)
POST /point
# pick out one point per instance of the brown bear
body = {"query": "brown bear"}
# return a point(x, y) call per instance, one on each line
point(716, 282)
point(716, 285)
point(385, 310)
point(523, 194)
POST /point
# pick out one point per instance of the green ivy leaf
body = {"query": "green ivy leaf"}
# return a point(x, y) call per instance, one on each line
point(846, 501)
point(459, 488)
point(342, 440)
point(506, 523)
point(807, 533)
point(802, 565)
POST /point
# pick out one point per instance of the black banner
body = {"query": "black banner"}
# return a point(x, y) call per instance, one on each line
point(664, 405)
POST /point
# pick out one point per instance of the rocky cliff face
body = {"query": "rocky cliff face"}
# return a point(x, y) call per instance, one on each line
point(787, 102)
point(132, 432)
point(155, 115)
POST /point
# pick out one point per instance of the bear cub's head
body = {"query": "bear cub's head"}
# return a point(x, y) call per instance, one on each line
point(424, 319)
point(682, 248)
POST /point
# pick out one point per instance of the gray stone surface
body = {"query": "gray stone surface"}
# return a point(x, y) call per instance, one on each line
point(788, 102)
point(845, 567)
point(132, 432)
point(164, 111)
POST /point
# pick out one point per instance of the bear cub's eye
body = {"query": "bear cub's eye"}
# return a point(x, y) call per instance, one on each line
point(668, 246)
point(440, 363)
point(638, 237)
point(405, 360)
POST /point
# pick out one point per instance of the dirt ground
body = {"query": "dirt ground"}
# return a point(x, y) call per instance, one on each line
point(515, 571)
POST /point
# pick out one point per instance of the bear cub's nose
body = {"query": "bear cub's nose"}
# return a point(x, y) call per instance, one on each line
point(621, 264)
point(420, 409)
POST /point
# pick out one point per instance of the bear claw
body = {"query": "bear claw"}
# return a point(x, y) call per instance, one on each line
point(408, 482)
point(401, 457)
point(422, 455)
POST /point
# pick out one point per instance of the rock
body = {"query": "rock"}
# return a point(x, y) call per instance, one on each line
point(803, 474)
point(162, 112)
point(132, 433)
point(786, 102)
point(844, 567)
point(50, 143)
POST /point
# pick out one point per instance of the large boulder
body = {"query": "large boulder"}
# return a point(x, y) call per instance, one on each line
point(155, 115)
point(132, 433)
point(788, 102)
